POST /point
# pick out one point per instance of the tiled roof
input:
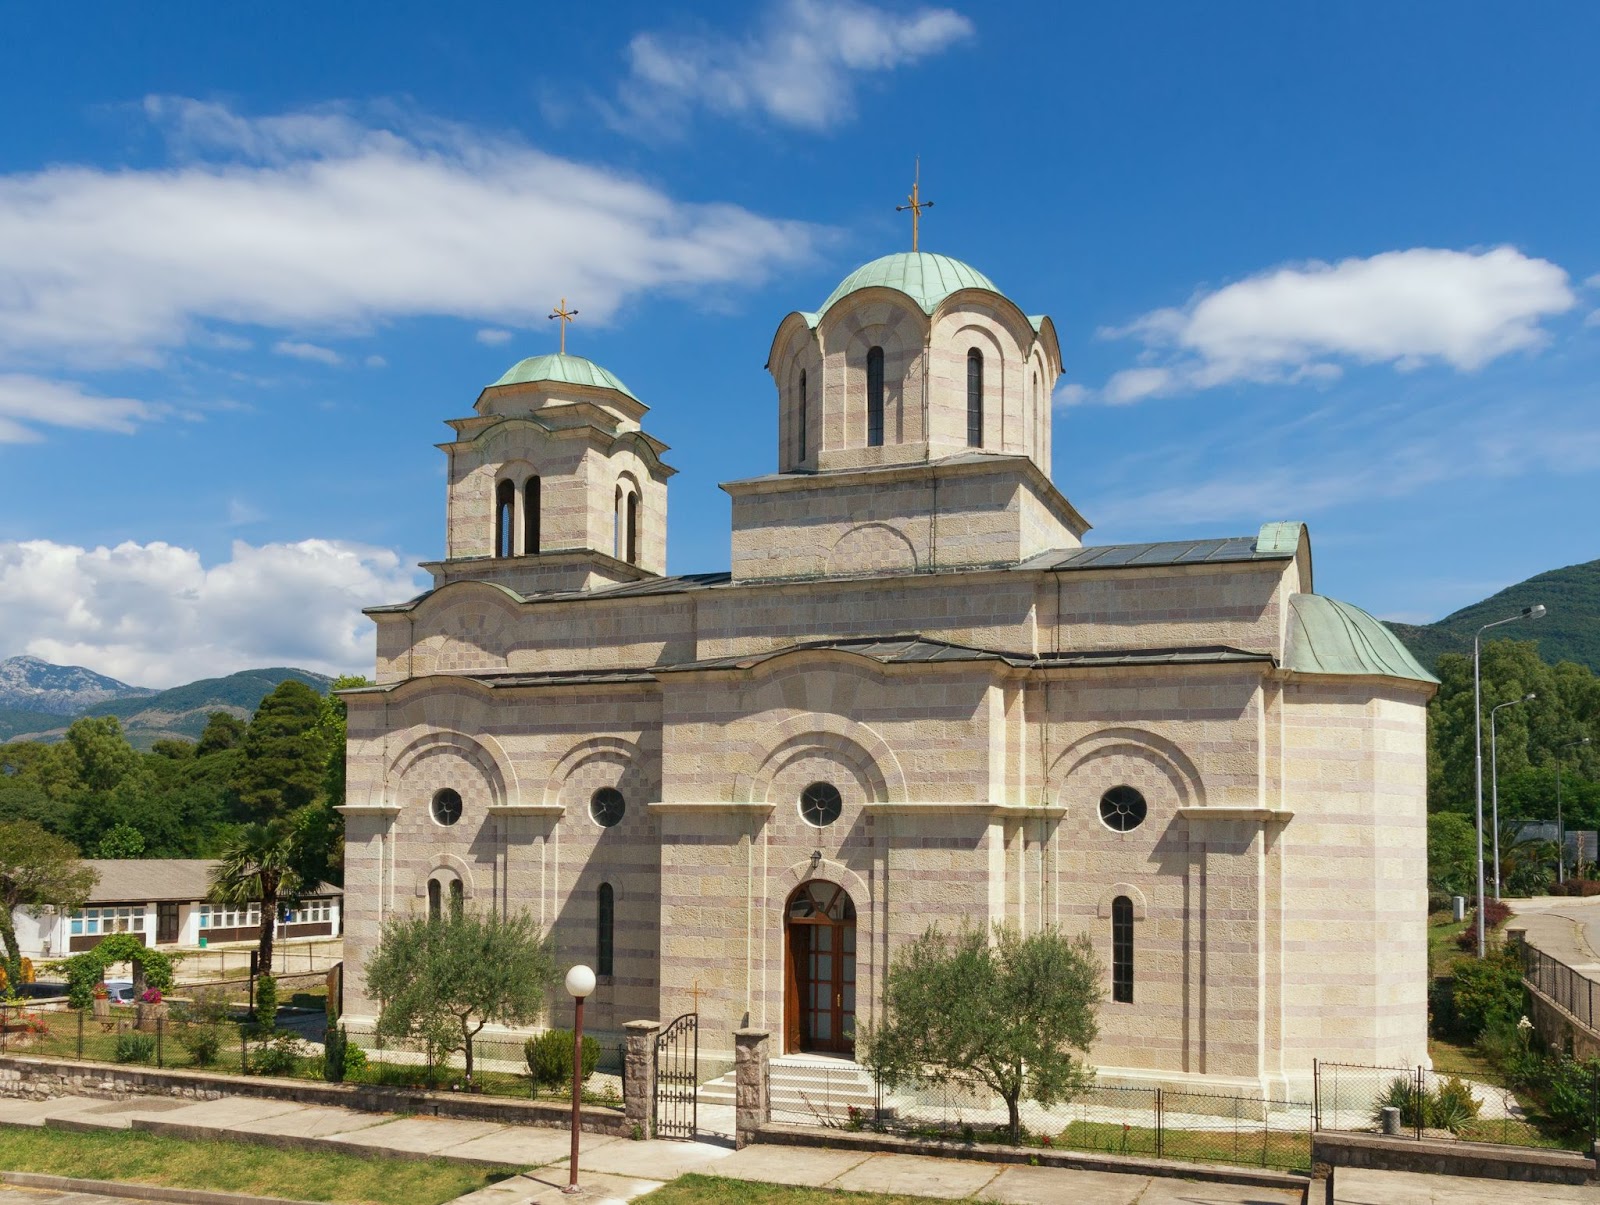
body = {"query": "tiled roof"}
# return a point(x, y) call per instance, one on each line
point(147, 880)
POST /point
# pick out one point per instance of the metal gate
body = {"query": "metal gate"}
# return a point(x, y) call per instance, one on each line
point(678, 1078)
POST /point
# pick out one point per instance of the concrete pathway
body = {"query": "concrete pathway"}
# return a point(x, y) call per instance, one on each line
point(1357, 1186)
point(10, 1194)
point(1565, 927)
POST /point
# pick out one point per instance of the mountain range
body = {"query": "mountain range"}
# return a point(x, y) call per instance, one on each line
point(38, 700)
point(1569, 631)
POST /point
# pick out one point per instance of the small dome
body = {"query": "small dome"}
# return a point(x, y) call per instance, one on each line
point(573, 370)
point(1331, 637)
point(925, 278)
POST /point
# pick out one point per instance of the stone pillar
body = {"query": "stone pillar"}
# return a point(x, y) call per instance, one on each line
point(751, 1079)
point(639, 1078)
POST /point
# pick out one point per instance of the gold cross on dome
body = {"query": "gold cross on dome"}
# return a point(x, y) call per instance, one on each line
point(917, 204)
point(566, 316)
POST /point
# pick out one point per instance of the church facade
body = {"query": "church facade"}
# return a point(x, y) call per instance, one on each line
point(918, 697)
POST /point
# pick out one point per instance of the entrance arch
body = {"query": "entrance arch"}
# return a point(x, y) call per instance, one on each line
point(819, 937)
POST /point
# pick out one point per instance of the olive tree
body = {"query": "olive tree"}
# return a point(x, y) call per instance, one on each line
point(440, 981)
point(1008, 1012)
point(37, 869)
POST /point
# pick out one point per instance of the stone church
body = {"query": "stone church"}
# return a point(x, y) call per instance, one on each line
point(918, 697)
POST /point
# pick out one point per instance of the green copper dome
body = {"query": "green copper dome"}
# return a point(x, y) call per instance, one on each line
point(922, 276)
point(573, 370)
point(1331, 637)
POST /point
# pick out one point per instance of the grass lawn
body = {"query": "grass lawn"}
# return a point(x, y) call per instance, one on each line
point(717, 1190)
point(238, 1167)
point(1442, 949)
point(1246, 1146)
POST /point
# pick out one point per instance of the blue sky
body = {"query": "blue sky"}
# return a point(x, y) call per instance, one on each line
point(1332, 263)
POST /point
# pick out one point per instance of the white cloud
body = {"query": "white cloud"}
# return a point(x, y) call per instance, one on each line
point(1068, 393)
point(1303, 322)
point(376, 361)
point(799, 67)
point(324, 222)
point(307, 351)
point(27, 402)
point(154, 615)
point(493, 338)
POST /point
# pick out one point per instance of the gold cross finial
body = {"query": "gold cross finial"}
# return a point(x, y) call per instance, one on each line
point(695, 992)
point(917, 204)
point(566, 316)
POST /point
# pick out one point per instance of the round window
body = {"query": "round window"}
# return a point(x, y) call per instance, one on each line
point(446, 807)
point(1122, 808)
point(606, 806)
point(820, 804)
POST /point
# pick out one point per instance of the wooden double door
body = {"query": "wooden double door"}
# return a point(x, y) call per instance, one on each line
point(820, 970)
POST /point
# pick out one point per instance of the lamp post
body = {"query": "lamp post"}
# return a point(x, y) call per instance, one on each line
point(580, 982)
point(1494, 783)
point(1533, 612)
point(1561, 832)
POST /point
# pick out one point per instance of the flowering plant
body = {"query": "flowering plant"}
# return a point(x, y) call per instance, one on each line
point(151, 995)
point(101, 991)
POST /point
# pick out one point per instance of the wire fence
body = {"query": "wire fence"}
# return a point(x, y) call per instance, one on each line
point(1571, 989)
point(213, 1033)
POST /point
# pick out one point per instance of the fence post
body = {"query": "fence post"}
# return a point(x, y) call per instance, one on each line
point(1421, 1103)
point(752, 1091)
point(244, 1052)
point(1316, 1095)
point(1161, 1117)
point(161, 1025)
point(639, 1077)
point(80, 1033)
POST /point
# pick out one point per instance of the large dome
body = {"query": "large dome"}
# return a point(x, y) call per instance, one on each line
point(922, 276)
point(573, 370)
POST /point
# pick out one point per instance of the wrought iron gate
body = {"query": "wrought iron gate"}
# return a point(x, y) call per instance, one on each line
point(678, 1078)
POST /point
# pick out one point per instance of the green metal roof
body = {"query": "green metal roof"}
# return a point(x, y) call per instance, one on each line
point(922, 276)
point(1330, 637)
point(573, 370)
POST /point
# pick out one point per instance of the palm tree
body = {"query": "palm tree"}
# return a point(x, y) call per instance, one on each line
point(258, 867)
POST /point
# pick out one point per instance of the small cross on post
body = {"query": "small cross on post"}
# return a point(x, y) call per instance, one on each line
point(695, 992)
point(917, 204)
point(566, 316)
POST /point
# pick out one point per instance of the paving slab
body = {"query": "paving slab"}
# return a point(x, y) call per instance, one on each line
point(418, 1135)
point(1020, 1185)
point(89, 1113)
point(546, 1187)
point(230, 1111)
point(1360, 1186)
point(918, 1176)
point(655, 1159)
point(801, 1166)
point(527, 1146)
point(318, 1122)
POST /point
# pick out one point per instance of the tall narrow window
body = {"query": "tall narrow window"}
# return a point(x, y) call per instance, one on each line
point(616, 525)
point(1122, 950)
point(530, 516)
point(605, 917)
point(457, 895)
point(632, 556)
point(505, 518)
point(974, 398)
point(800, 433)
point(875, 398)
point(435, 908)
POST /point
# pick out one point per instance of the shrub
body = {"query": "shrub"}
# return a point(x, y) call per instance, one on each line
point(340, 1059)
point(1452, 1106)
point(281, 1056)
point(550, 1057)
point(203, 1042)
point(1495, 914)
point(1487, 992)
point(266, 1002)
point(136, 1048)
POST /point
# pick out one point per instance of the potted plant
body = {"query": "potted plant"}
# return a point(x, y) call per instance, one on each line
point(102, 1003)
point(151, 1008)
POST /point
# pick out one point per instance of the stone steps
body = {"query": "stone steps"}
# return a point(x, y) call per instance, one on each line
point(805, 1085)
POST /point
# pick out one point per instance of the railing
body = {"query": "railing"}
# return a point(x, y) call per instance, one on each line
point(1571, 989)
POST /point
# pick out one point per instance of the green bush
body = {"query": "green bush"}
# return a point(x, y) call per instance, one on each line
point(266, 1002)
point(281, 1056)
point(340, 1058)
point(1487, 992)
point(203, 1042)
point(550, 1057)
point(136, 1048)
point(1452, 1106)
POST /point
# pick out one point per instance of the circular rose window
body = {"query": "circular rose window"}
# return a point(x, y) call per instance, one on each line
point(606, 806)
point(446, 807)
point(1122, 808)
point(820, 804)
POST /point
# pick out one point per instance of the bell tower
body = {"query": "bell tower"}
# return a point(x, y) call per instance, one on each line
point(553, 484)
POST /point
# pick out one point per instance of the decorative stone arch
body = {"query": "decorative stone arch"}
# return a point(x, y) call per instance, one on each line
point(619, 750)
point(1077, 761)
point(445, 866)
point(786, 880)
point(997, 366)
point(850, 742)
point(483, 753)
point(1135, 897)
point(876, 546)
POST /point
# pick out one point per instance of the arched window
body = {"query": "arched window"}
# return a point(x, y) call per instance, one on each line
point(974, 398)
point(605, 917)
point(457, 896)
point(632, 556)
point(616, 525)
point(505, 518)
point(1122, 950)
point(435, 907)
point(800, 433)
point(530, 516)
point(875, 398)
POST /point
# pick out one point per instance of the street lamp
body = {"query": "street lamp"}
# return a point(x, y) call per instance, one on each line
point(1534, 612)
point(1494, 783)
point(1561, 832)
point(580, 982)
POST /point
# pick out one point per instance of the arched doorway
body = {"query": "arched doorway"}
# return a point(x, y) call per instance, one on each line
point(820, 969)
